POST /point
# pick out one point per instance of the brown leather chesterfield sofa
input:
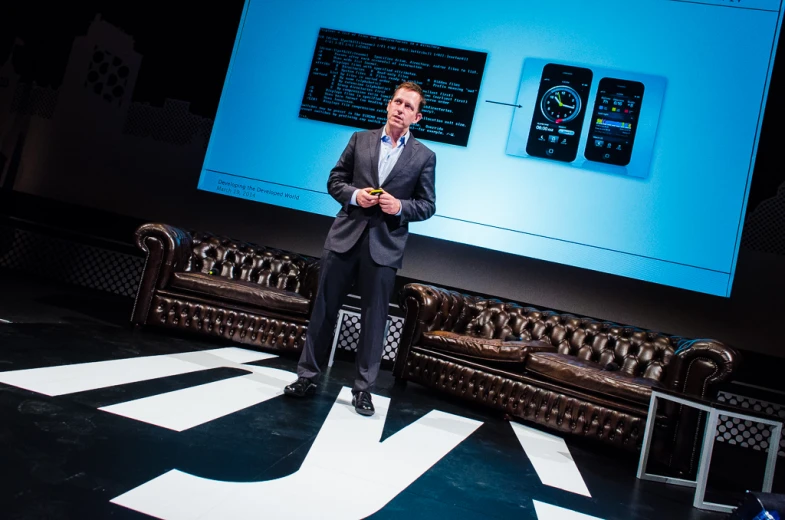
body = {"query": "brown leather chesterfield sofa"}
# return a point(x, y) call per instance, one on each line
point(214, 285)
point(575, 375)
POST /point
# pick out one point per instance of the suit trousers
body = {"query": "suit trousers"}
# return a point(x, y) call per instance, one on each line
point(337, 273)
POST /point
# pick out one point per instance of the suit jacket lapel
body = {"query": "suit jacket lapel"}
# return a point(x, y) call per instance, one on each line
point(406, 156)
point(374, 146)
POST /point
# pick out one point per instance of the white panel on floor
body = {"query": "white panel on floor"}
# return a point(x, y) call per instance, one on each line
point(551, 512)
point(189, 407)
point(551, 459)
point(69, 379)
point(347, 473)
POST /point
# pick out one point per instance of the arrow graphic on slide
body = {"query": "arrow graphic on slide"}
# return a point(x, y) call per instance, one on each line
point(500, 103)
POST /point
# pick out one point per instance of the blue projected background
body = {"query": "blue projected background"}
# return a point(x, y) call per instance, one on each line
point(303, 78)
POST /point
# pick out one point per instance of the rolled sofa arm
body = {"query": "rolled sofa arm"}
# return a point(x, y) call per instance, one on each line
point(310, 281)
point(700, 365)
point(426, 308)
point(697, 368)
point(167, 249)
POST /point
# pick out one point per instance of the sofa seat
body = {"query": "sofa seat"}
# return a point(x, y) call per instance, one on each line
point(241, 291)
point(591, 377)
point(484, 348)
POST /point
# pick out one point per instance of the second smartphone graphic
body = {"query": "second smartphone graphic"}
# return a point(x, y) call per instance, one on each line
point(559, 111)
point(614, 121)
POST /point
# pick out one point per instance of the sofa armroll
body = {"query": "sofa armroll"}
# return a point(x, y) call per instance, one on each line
point(310, 280)
point(700, 365)
point(167, 250)
point(697, 368)
point(426, 309)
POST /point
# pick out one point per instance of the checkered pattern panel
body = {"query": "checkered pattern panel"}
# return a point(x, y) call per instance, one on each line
point(749, 434)
point(393, 338)
point(349, 335)
point(764, 228)
point(173, 123)
point(33, 100)
point(70, 262)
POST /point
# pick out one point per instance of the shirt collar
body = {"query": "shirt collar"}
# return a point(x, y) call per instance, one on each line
point(402, 141)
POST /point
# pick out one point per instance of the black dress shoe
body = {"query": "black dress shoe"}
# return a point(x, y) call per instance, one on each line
point(362, 403)
point(301, 388)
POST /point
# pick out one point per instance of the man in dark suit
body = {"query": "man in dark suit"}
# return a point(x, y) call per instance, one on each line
point(366, 241)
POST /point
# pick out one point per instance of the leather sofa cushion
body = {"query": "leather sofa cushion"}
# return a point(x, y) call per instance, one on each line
point(590, 376)
point(243, 292)
point(491, 349)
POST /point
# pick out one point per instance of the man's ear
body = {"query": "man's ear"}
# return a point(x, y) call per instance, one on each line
point(417, 118)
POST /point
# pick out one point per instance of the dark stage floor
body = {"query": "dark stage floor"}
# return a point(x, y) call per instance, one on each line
point(184, 427)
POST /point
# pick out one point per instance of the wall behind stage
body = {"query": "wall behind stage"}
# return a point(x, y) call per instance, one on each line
point(109, 105)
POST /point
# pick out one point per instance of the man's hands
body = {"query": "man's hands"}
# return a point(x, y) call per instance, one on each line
point(386, 202)
point(389, 204)
point(365, 199)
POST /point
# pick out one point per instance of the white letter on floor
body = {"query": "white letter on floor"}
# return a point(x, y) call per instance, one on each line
point(347, 473)
point(551, 459)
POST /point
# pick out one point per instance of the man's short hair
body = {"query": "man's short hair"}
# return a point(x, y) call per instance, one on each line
point(414, 87)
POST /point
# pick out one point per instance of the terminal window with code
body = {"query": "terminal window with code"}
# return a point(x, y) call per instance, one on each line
point(352, 77)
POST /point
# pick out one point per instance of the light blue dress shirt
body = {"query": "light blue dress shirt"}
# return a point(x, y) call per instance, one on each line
point(388, 156)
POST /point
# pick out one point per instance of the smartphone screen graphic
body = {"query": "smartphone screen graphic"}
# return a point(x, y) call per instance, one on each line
point(559, 112)
point(614, 121)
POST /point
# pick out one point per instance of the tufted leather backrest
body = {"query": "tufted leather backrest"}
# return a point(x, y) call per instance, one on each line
point(246, 261)
point(636, 352)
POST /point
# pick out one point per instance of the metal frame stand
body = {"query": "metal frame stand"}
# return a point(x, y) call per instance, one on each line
point(709, 433)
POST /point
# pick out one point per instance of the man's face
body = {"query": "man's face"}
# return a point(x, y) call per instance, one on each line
point(402, 110)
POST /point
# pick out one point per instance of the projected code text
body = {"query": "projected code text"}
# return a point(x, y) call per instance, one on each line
point(352, 77)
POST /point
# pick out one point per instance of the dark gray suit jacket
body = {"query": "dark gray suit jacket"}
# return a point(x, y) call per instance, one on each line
point(412, 181)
